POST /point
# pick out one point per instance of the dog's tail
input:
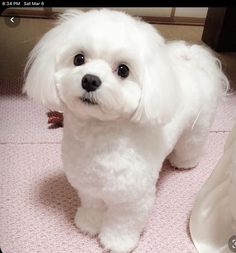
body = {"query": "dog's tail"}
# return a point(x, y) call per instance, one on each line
point(201, 58)
point(212, 64)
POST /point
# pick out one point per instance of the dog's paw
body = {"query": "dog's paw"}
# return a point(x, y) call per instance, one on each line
point(88, 220)
point(117, 242)
point(184, 164)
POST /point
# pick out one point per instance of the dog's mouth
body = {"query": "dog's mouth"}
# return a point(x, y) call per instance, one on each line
point(89, 100)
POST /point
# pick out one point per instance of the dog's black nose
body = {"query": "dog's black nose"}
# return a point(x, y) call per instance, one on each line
point(90, 82)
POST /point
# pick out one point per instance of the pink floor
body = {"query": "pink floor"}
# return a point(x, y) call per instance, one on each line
point(38, 205)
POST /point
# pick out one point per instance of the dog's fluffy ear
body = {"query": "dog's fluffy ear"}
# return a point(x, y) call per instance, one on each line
point(160, 92)
point(40, 69)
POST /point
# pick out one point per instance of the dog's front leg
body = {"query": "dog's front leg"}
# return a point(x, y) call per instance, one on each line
point(89, 214)
point(123, 224)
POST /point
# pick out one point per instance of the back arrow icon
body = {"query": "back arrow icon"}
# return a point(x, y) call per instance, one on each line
point(12, 19)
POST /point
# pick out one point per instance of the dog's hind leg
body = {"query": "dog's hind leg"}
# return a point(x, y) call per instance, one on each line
point(190, 146)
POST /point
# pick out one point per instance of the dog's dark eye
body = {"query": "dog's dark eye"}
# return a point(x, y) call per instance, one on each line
point(79, 59)
point(123, 71)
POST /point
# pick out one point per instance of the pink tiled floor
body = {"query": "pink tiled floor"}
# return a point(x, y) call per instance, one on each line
point(38, 205)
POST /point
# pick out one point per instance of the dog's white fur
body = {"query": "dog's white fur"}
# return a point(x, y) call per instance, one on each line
point(112, 152)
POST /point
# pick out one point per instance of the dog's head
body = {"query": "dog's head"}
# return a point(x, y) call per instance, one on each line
point(103, 64)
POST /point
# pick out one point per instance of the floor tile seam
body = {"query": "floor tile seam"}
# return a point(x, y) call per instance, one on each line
point(29, 143)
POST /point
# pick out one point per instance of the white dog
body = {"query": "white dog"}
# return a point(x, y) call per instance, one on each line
point(130, 99)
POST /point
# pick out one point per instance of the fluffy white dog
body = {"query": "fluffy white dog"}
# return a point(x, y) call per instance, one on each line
point(130, 99)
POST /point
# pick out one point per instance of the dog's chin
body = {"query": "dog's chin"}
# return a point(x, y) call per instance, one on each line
point(85, 107)
point(90, 108)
